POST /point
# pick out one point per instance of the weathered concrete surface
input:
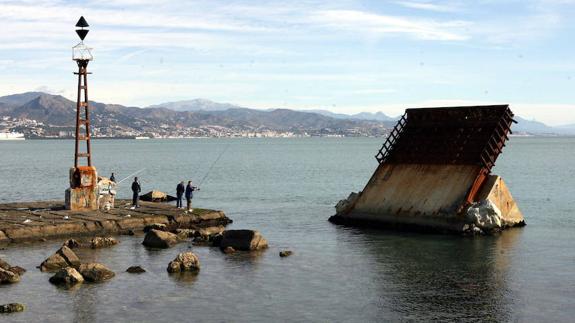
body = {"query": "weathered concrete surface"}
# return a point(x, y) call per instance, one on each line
point(50, 219)
point(83, 191)
point(427, 197)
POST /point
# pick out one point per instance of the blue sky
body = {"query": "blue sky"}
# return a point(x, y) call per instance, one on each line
point(343, 56)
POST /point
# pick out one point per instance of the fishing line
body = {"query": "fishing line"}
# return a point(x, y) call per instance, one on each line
point(141, 170)
point(214, 163)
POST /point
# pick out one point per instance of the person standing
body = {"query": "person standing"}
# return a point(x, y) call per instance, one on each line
point(136, 189)
point(180, 189)
point(190, 194)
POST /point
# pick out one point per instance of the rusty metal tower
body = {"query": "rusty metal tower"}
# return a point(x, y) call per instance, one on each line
point(82, 55)
point(83, 192)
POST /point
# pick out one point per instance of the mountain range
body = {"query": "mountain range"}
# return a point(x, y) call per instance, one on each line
point(55, 111)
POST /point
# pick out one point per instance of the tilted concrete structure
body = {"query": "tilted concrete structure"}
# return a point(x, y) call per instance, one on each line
point(434, 173)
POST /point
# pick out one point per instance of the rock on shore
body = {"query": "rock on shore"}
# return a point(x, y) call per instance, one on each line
point(95, 272)
point(160, 239)
point(185, 261)
point(67, 276)
point(247, 240)
point(62, 258)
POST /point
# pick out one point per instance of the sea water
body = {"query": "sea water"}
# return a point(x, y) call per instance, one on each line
point(286, 188)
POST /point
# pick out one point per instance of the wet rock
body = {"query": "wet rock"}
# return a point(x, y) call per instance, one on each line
point(185, 261)
point(184, 234)
point(95, 272)
point(209, 232)
point(160, 239)
point(71, 243)
point(4, 264)
point(8, 277)
point(217, 240)
point(67, 276)
point(155, 226)
point(100, 242)
point(62, 258)
point(285, 253)
point(17, 270)
point(344, 206)
point(12, 308)
point(136, 270)
point(246, 240)
point(229, 250)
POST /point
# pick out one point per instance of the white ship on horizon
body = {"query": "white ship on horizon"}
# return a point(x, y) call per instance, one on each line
point(11, 136)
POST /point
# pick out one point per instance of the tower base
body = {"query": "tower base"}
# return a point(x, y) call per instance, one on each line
point(83, 192)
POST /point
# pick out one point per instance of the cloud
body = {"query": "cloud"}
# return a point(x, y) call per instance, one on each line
point(428, 6)
point(376, 24)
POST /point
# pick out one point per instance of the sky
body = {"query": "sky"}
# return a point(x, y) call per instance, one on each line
point(345, 56)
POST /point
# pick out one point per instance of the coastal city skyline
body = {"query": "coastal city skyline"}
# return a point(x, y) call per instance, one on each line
point(345, 56)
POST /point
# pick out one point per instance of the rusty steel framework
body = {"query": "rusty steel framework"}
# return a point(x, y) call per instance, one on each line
point(82, 119)
point(472, 135)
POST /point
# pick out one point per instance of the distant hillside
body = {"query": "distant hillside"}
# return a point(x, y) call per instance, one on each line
point(55, 110)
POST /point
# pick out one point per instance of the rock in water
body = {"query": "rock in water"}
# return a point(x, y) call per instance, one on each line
point(95, 272)
point(8, 277)
point(228, 250)
point(136, 270)
point(4, 264)
point(71, 243)
point(285, 253)
point(246, 240)
point(62, 258)
point(185, 261)
point(100, 242)
point(12, 308)
point(17, 270)
point(67, 276)
point(160, 239)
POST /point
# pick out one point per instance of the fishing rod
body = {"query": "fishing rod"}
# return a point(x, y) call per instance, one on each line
point(214, 163)
point(141, 170)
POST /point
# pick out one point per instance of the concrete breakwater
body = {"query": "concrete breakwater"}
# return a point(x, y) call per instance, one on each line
point(29, 221)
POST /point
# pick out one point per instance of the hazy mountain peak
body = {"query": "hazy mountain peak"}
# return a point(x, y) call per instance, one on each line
point(195, 105)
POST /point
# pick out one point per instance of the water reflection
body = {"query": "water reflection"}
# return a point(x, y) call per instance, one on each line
point(440, 277)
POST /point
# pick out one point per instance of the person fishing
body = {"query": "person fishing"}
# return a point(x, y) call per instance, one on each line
point(180, 189)
point(136, 189)
point(190, 194)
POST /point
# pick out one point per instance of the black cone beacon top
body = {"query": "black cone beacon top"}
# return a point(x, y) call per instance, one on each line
point(82, 23)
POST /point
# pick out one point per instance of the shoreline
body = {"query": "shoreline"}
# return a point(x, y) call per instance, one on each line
point(41, 220)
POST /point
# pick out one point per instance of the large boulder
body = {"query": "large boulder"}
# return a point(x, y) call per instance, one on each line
point(8, 277)
point(155, 226)
point(67, 276)
point(160, 239)
point(62, 258)
point(95, 272)
point(246, 240)
point(185, 261)
point(99, 242)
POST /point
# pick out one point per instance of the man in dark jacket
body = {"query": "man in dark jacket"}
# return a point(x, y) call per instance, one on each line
point(136, 189)
point(180, 189)
point(190, 194)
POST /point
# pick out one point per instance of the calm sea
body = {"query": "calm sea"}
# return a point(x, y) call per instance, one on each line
point(286, 188)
